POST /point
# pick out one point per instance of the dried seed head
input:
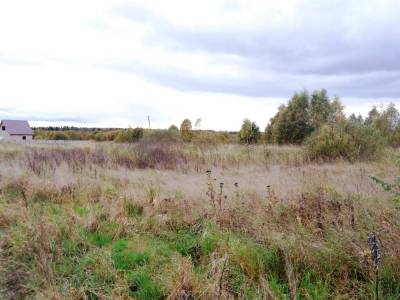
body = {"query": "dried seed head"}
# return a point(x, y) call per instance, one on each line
point(374, 246)
point(221, 185)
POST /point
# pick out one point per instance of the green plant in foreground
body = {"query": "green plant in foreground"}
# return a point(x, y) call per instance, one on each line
point(393, 187)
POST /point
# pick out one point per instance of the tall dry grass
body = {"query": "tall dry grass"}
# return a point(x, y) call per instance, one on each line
point(108, 221)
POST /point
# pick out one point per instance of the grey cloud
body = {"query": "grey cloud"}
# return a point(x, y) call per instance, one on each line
point(263, 84)
point(327, 44)
point(322, 38)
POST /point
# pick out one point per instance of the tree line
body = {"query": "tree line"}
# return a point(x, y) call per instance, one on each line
point(312, 119)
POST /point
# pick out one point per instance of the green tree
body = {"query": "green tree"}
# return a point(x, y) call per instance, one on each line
point(356, 119)
point(387, 122)
point(186, 130)
point(272, 133)
point(302, 115)
point(249, 132)
point(336, 114)
point(293, 124)
point(320, 108)
point(372, 115)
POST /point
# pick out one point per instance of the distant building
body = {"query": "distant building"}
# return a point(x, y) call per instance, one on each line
point(17, 130)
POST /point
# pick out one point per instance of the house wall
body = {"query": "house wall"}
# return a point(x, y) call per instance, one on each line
point(18, 137)
point(15, 137)
point(3, 134)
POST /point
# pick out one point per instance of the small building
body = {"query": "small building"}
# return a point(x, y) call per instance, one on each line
point(15, 130)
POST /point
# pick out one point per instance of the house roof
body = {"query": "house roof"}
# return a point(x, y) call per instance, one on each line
point(17, 127)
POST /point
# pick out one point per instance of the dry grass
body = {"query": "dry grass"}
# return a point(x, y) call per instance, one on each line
point(106, 221)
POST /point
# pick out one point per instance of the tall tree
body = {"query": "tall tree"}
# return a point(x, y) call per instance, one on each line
point(336, 114)
point(249, 132)
point(293, 126)
point(387, 122)
point(320, 108)
point(373, 114)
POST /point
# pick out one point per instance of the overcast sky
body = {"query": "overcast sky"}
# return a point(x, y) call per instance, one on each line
point(113, 63)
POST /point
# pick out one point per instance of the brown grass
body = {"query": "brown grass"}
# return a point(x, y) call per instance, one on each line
point(316, 216)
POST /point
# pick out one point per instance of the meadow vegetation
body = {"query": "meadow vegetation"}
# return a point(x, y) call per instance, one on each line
point(184, 213)
point(314, 120)
point(163, 220)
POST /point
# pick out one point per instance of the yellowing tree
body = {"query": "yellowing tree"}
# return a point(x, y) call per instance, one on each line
point(186, 130)
point(249, 132)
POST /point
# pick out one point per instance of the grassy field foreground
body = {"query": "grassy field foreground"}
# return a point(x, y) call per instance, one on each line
point(151, 221)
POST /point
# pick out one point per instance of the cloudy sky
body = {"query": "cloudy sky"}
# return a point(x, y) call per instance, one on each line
point(113, 63)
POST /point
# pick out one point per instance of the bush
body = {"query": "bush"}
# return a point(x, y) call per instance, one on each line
point(129, 135)
point(210, 137)
point(347, 140)
point(162, 135)
point(102, 136)
point(58, 136)
point(158, 155)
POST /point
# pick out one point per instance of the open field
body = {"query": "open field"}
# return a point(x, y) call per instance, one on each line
point(113, 221)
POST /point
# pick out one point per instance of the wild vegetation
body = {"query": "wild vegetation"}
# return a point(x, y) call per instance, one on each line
point(309, 210)
point(314, 120)
point(162, 220)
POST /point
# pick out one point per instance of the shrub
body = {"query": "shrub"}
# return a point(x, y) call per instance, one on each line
point(347, 140)
point(173, 128)
point(59, 136)
point(101, 136)
point(129, 135)
point(133, 209)
point(210, 137)
point(369, 141)
point(161, 135)
point(158, 155)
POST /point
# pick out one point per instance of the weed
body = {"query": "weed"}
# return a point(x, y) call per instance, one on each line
point(133, 210)
point(99, 239)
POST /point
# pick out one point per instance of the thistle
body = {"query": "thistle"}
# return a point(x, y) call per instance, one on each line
point(221, 187)
point(210, 188)
point(236, 185)
point(374, 246)
point(269, 193)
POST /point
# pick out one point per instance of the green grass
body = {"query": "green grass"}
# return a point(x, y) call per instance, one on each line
point(124, 259)
point(142, 287)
